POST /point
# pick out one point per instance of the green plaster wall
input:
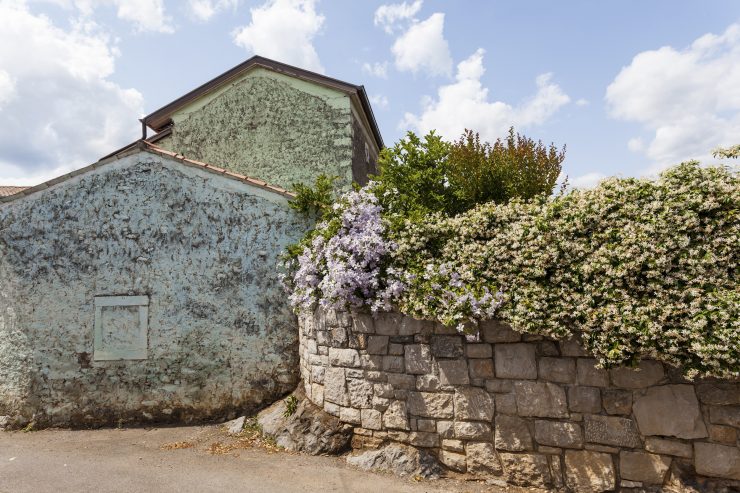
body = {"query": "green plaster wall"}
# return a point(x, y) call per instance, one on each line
point(269, 126)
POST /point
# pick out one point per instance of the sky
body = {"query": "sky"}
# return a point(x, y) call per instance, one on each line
point(629, 86)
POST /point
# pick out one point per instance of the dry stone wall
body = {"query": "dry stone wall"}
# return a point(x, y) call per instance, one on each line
point(528, 410)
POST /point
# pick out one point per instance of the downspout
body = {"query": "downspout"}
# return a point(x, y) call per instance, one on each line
point(143, 128)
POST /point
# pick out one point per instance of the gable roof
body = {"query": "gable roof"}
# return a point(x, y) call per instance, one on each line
point(7, 191)
point(162, 117)
point(144, 146)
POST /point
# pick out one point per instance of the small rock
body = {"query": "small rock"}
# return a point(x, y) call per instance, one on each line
point(235, 426)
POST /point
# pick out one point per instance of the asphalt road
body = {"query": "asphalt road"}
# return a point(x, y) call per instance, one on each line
point(186, 459)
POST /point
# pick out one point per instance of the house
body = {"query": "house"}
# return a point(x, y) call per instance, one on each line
point(145, 287)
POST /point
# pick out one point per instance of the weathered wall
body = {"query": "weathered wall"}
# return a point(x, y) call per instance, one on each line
point(202, 247)
point(270, 126)
point(528, 410)
point(364, 154)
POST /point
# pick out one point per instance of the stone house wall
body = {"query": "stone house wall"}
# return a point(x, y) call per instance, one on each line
point(519, 407)
point(175, 267)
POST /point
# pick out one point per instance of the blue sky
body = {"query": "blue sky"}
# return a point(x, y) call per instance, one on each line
point(629, 86)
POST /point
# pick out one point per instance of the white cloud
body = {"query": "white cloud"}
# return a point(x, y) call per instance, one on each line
point(7, 88)
point(582, 102)
point(688, 99)
point(283, 30)
point(424, 47)
point(388, 16)
point(589, 180)
point(203, 10)
point(465, 104)
point(379, 100)
point(145, 15)
point(65, 112)
point(377, 69)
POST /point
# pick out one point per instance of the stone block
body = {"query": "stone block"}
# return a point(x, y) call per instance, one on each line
point(453, 460)
point(453, 445)
point(473, 404)
point(478, 350)
point(360, 393)
point(539, 399)
point(725, 415)
point(559, 370)
point(396, 416)
point(584, 399)
point(643, 466)
point(647, 374)
point(719, 394)
point(670, 410)
point(617, 401)
point(344, 357)
point(512, 434)
point(499, 386)
point(331, 408)
point(426, 425)
point(383, 390)
point(527, 469)
point(350, 415)
point(421, 439)
point(589, 472)
point(515, 361)
point(506, 403)
point(453, 372)
point(611, 430)
point(393, 364)
point(402, 381)
point(669, 447)
point(377, 345)
point(387, 324)
point(558, 434)
point(418, 359)
point(496, 331)
point(335, 386)
point(317, 374)
point(363, 323)
point(481, 459)
point(445, 429)
point(467, 430)
point(722, 434)
point(395, 349)
point(447, 346)
point(589, 375)
point(573, 348)
point(717, 460)
point(317, 394)
point(371, 419)
point(548, 348)
point(337, 337)
point(431, 405)
point(481, 369)
point(427, 383)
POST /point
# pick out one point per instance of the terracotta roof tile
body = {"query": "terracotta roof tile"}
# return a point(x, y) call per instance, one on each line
point(7, 191)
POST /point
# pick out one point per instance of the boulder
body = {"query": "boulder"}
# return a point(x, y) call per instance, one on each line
point(235, 426)
point(398, 459)
point(670, 410)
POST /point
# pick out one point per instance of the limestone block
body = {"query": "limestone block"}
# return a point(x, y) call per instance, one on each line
point(512, 434)
point(360, 393)
point(472, 430)
point(335, 386)
point(371, 419)
point(396, 416)
point(717, 460)
point(558, 434)
point(344, 357)
point(350, 415)
point(670, 410)
point(473, 404)
point(647, 374)
point(544, 400)
point(453, 460)
point(611, 430)
point(395, 349)
point(418, 359)
point(383, 390)
point(337, 337)
point(426, 425)
point(589, 472)
point(363, 323)
point(431, 405)
point(478, 350)
point(584, 399)
point(669, 447)
point(722, 434)
point(643, 466)
point(725, 415)
point(377, 345)
point(526, 469)
point(317, 394)
point(573, 348)
point(499, 386)
point(560, 370)
point(589, 375)
point(446, 429)
point(453, 372)
point(422, 439)
point(481, 459)
point(427, 383)
point(515, 361)
point(617, 401)
point(393, 364)
point(402, 381)
point(481, 369)
point(719, 394)
point(506, 403)
point(496, 331)
point(548, 348)
point(387, 324)
point(447, 346)
point(453, 445)
point(317, 374)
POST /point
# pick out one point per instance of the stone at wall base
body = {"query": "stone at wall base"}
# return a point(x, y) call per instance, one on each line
point(398, 459)
point(309, 429)
point(235, 426)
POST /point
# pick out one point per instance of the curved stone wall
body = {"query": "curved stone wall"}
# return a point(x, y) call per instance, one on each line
point(523, 408)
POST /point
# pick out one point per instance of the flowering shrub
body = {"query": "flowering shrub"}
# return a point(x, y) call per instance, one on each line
point(639, 268)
